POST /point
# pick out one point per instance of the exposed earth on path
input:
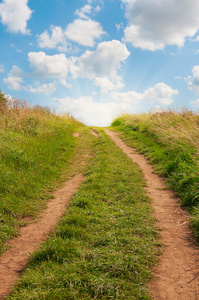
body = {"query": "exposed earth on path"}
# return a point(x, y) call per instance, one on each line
point(13, 261)
point(177, 274)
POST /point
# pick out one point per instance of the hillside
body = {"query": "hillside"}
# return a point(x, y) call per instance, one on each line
point(170, 140)
point(106, 243)
point(35, 148)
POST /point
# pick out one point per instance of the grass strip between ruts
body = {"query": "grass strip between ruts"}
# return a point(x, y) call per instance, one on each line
point(105, 244)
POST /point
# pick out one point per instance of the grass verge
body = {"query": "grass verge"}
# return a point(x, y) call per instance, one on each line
point(170, 141)
point(105, 244)
point(36, 147)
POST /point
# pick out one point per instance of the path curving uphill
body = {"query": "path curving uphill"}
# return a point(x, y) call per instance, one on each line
point(177, 274)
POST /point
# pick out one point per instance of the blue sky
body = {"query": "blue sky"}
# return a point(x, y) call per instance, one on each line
point(98, 58)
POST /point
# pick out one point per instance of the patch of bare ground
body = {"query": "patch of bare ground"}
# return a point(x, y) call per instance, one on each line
point(177, 274)
point(13, 261)
point(76, 134)
point(93, 132)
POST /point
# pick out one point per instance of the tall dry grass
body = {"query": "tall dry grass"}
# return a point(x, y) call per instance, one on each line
point(19, 114)
point(168, 127)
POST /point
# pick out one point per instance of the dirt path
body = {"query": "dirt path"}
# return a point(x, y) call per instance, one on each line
point(13, 261)
point(93, 132)
point(178, 270)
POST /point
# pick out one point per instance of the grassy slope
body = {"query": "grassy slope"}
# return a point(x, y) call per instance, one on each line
point(171, 142)
point(106, 242)
point(35, 149)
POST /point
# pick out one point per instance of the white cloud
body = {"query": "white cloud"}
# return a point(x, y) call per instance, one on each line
point(63, 82)
point(57, 39)
point(119, 26)
point(84, 32)
point(101, 65)
point(97, 9)
point(193, 82)
point(46, 88)
point(160, 93)
point(84, 11)
point(130, 97)
point(104, 62)
point(46, 66)
point(106, 85)
point(92, 112)
point(154, 24)
point(14, 14)
point(14, 79)
point(195, 103)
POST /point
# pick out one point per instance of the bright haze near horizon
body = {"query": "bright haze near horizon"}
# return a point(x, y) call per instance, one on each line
point(96, 59)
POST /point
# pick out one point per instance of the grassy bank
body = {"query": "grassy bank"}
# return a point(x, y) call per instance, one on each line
point(35, 149)
point(170, 140)
point(106, 242)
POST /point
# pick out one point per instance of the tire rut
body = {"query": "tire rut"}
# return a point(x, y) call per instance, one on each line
point(177, 274)
point(14, 261)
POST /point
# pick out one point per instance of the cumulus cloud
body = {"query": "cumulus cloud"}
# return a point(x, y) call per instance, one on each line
point(57, 39)
point(84, 11)
point(160, 93)
point(130, 97)
point(92, 112)
point(46, 88)
point(101, 65)
point(195, 103)
point(104, 62)
point(15, 14)
point(84, 32)
point(193, 82)
point(155, 24)
point(106, 84)
point(46, 66)
point(14, 79)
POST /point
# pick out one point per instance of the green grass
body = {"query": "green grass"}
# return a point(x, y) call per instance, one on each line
point(105, 244)
point(170, 141)
point(35, 151)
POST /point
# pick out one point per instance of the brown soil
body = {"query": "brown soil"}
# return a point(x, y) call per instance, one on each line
point(177, 274)
point(13, 261)
point(93, 132)
point(76, 134)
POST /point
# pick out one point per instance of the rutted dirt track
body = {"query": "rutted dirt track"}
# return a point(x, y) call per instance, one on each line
point(177, 274)
point(13, 261)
